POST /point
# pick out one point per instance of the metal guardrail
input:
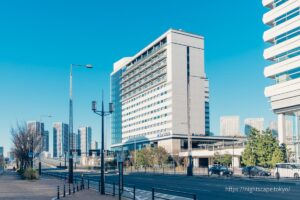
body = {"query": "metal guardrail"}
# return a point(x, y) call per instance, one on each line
point(128, 191)
point(156, 194)
point(81, 183)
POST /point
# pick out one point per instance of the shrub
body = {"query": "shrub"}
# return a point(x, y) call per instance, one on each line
point(30, 174)
point(20, 171)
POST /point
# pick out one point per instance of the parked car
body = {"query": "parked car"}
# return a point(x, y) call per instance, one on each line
point(255, 171)
point(287, 170)
point(220, 170)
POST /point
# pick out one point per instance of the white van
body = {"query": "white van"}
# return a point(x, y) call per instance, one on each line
point(287, 170)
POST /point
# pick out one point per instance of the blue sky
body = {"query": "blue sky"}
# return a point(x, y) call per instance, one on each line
point(39, 40)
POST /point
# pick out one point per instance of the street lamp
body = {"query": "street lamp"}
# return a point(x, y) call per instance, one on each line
point(40, 164)
point(30, 141)
point(102, 113)
point(233, 154)
point(71, 119)
point(190, 143)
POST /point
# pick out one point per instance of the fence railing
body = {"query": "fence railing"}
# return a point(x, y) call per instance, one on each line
point(81, 183)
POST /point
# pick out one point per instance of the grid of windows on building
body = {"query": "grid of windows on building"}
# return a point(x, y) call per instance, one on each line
point(283, 36)
point(116, 120)
point(60, 139)
point(152, 91)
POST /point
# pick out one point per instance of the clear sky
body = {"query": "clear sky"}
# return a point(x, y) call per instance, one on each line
point(39, 40)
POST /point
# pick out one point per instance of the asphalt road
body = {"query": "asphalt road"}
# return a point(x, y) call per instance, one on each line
point(211, 187)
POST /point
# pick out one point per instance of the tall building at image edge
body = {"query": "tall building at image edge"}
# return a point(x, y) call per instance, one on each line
point(150, 93)
point(283, 37)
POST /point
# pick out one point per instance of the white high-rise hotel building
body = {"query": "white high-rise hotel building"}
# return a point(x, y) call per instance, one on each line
point(283, 19)
point(150, 93)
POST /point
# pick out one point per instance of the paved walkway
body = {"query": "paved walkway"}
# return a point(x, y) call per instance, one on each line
point(13, 188)
point(90, 195)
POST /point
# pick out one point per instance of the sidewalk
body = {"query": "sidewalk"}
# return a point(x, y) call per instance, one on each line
point(89, 194)
point(13, 188)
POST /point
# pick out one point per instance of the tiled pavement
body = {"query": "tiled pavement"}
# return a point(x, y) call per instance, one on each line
point(90, 195)
point(13, 188)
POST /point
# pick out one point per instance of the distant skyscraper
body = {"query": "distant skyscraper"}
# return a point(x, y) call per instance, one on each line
point(274, 128)
point(77, 136)
point(85, 139)
point(10, 155)
point(60, 139)
point(1, 158)
point(230, 126)
point(1, 151)
point(95, 145)
point(253, 123)
point(45, 141)
point(37, 128)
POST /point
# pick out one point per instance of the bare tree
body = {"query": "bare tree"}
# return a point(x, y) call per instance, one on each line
point(27, 144)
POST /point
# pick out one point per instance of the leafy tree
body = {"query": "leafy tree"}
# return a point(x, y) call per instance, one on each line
point(160, 156)
point(148, 157)
point(277, 157)
point(260, 149)
point(142, 157)
point(249, 156)
point(287, 153)
point(225, 159)
point(265, 147)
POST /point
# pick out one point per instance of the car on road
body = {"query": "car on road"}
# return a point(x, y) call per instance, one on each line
point(255, 171)
point(220, 170)
point(289, 170)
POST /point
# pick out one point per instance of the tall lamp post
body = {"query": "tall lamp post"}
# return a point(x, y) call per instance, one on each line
point(31, 149)
point(71, 119)
point(190, 143)
point(102, 113)
point(233, 154)
point(40, 163)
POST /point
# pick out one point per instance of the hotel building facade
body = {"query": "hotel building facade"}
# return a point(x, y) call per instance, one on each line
point(283, 37)
point(160, 93)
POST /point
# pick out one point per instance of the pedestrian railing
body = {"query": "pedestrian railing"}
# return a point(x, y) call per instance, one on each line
point(127, 192)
